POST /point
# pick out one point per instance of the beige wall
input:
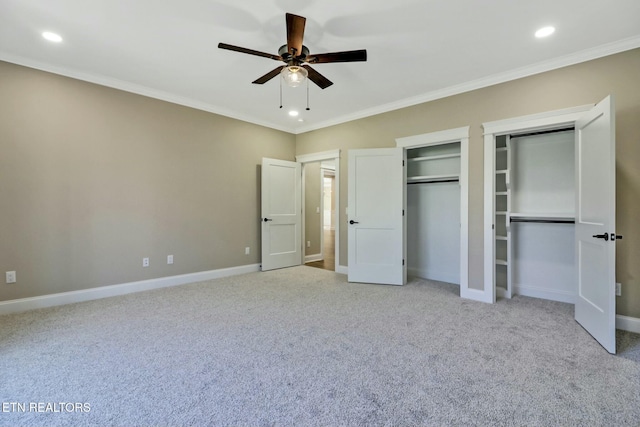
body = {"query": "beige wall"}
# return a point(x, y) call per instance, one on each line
point(312, 196)
point(568, 87)
point(94, 179)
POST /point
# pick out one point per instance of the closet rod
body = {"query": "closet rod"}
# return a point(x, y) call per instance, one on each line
point(435, 181)
point(545, 221)
point(542, 132)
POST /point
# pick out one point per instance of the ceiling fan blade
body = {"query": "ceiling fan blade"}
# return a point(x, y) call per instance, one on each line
point(271, 74)
point(249, 51)
point(349, 56)
point(295, 33)
point(317, 78)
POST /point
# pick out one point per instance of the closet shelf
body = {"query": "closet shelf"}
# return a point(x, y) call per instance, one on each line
point(501, 262)
point(501, 149)
point(547, 216)
point(501, 212)
point(432, 178)
point(436, 157)
point(501, 237)
point(502, 171)
point(502, 193)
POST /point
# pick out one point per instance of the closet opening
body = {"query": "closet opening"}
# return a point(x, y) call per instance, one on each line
point(549, 204)
point(535, 214)
point(436, 208)
point(433, 212)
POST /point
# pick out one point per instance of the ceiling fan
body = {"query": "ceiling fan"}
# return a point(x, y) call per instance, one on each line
point(297, 58)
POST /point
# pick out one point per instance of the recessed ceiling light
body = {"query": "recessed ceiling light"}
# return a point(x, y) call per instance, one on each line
point(52, 37)
point(293, 113)
point(545, 32)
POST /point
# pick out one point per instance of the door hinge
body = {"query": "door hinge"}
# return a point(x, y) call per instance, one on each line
point(403, 163)
point(402, 212)
point(402, 262)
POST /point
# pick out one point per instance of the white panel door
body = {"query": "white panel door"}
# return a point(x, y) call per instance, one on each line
point(376, 248)
point(595, 223)
point(281, 214)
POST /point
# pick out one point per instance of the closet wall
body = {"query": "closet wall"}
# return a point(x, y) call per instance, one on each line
point(433, 212)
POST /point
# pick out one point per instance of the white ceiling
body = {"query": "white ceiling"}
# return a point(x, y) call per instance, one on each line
point(418, 50)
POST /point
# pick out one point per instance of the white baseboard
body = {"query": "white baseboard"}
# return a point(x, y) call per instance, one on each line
point(550, 294)
point(626, 323)
point(342, 269)
point(475, 295)
point(23, 304)
point(313, 258)
point(439, 276)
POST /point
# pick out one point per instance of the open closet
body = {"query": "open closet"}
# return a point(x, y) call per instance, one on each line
point(550, 211)
point(535, 214)
point(433, 212)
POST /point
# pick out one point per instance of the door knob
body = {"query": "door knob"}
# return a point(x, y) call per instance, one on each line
point(615, 236)
point(267, 219)
point(353, 222)
point(604, 236)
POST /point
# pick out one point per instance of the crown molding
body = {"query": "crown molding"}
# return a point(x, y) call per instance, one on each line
point(137, 89)
point(541, 67)
point(518, 73)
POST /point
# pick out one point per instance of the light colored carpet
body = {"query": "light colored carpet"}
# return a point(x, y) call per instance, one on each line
point(301, 346)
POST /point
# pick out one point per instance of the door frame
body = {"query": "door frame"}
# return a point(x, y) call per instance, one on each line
point(323, 174)
point(448, 136)
point(535, 122)
point(318, 157)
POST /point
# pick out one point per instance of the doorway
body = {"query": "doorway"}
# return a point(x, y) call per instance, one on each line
point(328, 250)
point(320, 214)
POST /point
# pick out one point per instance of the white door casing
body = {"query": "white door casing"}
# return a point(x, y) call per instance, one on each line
point(375, 222)
point(281, 214)
point(595, 307)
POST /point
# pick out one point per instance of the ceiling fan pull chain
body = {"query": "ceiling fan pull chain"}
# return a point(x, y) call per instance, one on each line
point(280, 93)
point(308, 95)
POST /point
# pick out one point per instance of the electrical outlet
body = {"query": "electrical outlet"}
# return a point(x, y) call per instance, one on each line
point(308, 243)
point(11, 277)
point(247, 250)
point(145, 262)
point(169, 259)
point(618, 289)
point(317, 209)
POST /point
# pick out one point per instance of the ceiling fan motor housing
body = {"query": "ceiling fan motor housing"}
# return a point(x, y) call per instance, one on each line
point(289, 58)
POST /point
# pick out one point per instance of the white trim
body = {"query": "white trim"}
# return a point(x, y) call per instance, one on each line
point(23, 304)
point(433, 138)
point(138, 90)
point(548, 294)
point(475, 294)
point(342, 269)
point(461, 135)
point(626, 323)
point(518, 73)
point(313, 258)
point(434, 275)
point(555, 118)
point(317, 157)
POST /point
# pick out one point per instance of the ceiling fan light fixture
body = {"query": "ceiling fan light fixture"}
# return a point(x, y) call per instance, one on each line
point(294, 75)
